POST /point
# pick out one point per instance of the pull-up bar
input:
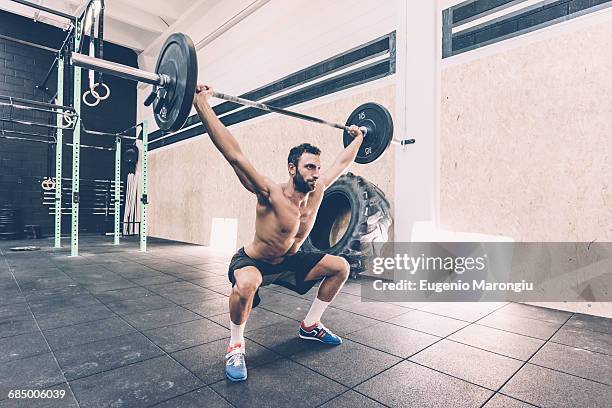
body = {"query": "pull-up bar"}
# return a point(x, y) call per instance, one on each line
point(70, 17)
point(28, 139)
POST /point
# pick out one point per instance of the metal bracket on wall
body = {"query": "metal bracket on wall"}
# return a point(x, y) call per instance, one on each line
point(76, 150)
point(117, 196)
point(143, 181)
point(59, 137)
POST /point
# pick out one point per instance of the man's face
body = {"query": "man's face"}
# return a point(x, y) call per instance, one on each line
point(306, 173)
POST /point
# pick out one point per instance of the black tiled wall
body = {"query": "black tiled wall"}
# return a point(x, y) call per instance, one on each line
point(22, 163)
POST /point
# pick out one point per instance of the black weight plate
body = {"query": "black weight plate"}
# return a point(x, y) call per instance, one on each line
point(380, 131)
point(178, 60)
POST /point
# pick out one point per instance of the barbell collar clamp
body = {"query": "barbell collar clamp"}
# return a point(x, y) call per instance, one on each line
point(164, 80)
point(402, 142)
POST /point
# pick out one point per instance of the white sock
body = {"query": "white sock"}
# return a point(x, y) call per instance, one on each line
point(315, 312)
point(237, 332)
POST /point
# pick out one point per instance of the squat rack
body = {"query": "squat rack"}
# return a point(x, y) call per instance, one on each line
point(73, 42)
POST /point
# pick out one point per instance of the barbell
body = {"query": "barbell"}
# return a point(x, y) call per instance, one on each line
point(174, 83)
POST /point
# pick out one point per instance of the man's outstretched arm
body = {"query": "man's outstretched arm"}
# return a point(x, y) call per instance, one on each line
point(227, 144)
point(344, 159)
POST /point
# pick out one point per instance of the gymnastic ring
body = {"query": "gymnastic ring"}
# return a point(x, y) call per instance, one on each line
point(94, 94)
point(102, 84)
point(68, 118)
point(47, 184)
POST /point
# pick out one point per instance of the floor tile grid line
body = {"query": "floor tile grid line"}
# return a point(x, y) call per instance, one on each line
point(189, 392)
point(153, 290)
point(89, 342)
point(179, 279)
point(181, 306)
point(369, 378)
point(529, 317)
point(60, 327)
point(584, 328)
point(407, 359)
point(388, 368)
point(411, 310)
point(349, 390)
point(294, 294)
point(573, 375)
point(483, 349)
point(176, 304)
point(41, 332)
point(437, 341)
point(115, 368)
point(30, 355)
point(14, 303)
point(152, 310)
point(549, 340)
point(111, 338)
point(172, 260)
point(310, 369)
point(263, 306)
point(469, 321)
point(216, 291)
point(155, 345)
point(376, 321)
point(157, 309)
point(184, 348)
point(219, 314)
point(587, 329)
point(511, 332)
point(289, 317)
point(514, 398)
point(163, 351)
point(580, 348)
point(525, 362)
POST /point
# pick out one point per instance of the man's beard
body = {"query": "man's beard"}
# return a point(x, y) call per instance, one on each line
point(300, 184)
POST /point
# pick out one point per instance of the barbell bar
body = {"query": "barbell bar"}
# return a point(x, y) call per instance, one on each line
point(139, 75)
point(120, 70)
point(298, 115)
point(174, 84)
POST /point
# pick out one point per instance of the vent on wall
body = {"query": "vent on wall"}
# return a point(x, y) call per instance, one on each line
point(476, 23)
point(367, 62)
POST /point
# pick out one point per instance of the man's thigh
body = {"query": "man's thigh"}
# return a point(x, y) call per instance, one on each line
point(328, 265)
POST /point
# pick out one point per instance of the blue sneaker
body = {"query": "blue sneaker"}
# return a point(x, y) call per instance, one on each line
point(235, 366)
point(320, 333)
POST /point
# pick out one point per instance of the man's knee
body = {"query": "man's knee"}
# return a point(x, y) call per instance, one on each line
point(344, 268)
point(247, 284)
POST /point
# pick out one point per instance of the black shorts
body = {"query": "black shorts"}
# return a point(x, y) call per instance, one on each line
point(290, 273)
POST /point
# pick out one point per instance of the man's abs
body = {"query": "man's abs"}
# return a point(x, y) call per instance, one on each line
point(272, 253)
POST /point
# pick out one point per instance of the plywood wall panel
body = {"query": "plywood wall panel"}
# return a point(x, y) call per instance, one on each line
point(526, 148)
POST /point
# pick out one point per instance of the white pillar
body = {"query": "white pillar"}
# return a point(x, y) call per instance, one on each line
point(418, 70)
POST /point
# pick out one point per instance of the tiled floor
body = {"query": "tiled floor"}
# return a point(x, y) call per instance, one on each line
point(119, 328)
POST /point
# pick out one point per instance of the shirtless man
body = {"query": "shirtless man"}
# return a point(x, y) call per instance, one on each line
point(285, 215)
